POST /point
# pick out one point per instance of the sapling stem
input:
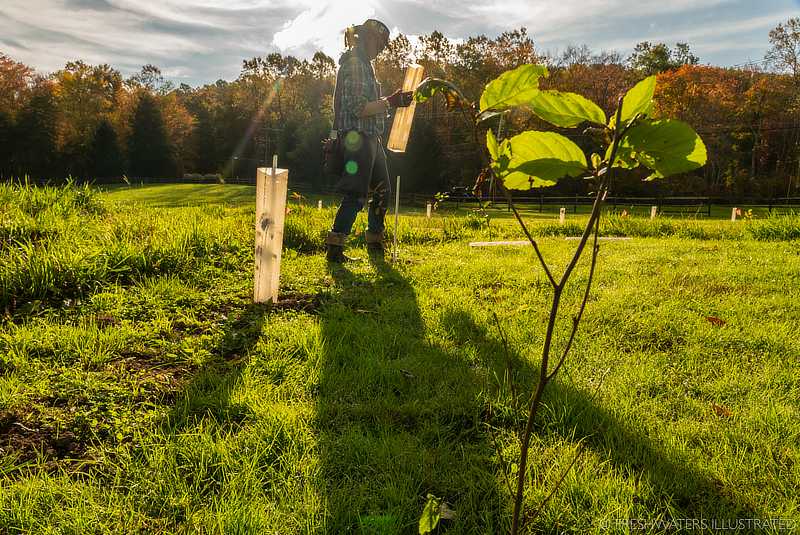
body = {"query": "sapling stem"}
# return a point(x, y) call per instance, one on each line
point(592, 227)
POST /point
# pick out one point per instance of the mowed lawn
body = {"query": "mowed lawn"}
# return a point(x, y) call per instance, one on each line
point(142, 392)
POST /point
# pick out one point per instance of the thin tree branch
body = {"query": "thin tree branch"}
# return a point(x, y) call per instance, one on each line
point(584, 238)
point(535, 245)
point(509, 364)
point(577, 319)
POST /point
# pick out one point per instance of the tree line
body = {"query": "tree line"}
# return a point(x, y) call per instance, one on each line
point(89, 122)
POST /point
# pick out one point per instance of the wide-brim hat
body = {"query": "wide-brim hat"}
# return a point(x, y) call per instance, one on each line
point(376, 27)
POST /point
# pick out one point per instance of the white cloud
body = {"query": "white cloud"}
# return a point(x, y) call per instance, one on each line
point(321, 26)
point(203, 40)
point(115, 30)
point(584, 19)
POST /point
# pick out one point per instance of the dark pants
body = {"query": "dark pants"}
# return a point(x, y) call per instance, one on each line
point(366, 176)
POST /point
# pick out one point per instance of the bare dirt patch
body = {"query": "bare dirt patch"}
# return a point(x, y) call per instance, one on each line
point(298, 302)
point(26, 437)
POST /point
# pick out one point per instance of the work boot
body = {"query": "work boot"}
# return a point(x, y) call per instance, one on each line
point(336, 254)
point(335, 243)
point(374, 243)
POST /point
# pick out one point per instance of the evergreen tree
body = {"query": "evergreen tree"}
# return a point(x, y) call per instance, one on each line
point(149, 151)
point(106, 154)
point(203, 143)
point(36, 154)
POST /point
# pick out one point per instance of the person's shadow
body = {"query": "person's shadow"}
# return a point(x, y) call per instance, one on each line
point(676, 488)
point(397, 417)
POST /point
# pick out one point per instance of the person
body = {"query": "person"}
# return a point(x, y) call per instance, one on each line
point(360, 117)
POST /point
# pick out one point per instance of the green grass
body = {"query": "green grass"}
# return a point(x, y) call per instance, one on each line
point(141, 391)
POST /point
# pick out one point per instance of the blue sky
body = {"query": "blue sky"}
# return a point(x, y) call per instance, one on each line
point(200, 41)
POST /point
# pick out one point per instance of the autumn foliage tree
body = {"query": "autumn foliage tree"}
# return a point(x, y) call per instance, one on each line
point(282, 105)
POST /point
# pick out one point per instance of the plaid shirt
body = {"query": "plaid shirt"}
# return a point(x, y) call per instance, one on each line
point(355, 86)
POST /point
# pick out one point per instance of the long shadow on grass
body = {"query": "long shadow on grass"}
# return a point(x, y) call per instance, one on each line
point(397, 418)
point(674, 482)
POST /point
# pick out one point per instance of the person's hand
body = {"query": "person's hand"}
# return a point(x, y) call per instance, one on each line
point(400, 99)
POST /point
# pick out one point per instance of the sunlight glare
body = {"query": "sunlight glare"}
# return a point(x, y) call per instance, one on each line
point(321, 26)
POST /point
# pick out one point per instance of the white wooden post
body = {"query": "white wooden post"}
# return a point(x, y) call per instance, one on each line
point(270, 217)
point(733, 213)
point(319, 205)
point(428, 210)
point(396, 218)
point(562, 216)
point(653, 212)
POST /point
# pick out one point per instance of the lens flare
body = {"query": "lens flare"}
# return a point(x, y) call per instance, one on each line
point(351, 167)
point(352, 141)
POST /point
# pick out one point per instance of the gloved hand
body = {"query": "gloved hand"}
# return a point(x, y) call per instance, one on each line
point(400, 99)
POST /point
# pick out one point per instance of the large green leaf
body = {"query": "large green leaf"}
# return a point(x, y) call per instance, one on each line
point(452, 95)
point(541, 159)
point(566, 109)
point(668, 147)
point(512, 88)
point(639, 99)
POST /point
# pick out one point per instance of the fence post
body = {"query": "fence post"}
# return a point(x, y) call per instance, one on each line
point(575, 205)
point(270, 217)
point(562, 216)
point(541, 202)
point(653, 212)
point(733, 213)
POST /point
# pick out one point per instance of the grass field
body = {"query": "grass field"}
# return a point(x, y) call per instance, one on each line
point(238, 195)
point(142, 392)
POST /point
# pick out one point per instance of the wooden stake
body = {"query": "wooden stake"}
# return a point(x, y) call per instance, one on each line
point(428, 210)
point(653, 212)
point(396, 218)
point(733, 213)
point(270, 217)
point(403, 117)
point(562, 216)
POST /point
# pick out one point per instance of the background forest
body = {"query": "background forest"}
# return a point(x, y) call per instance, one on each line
point(91, 123)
